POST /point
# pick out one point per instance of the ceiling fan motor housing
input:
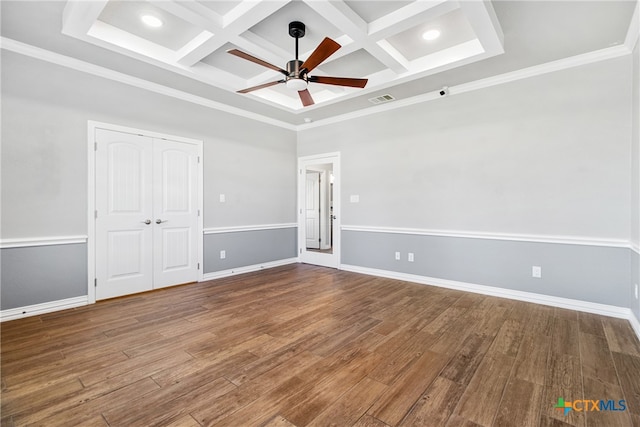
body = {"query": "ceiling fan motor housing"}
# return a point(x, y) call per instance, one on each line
point(296, 29)
point(294, 79)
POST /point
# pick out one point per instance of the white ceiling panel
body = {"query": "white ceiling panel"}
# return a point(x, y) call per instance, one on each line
point(454, 29)
point(275, 28)
point(221, 7)
point(126, 16)
point(376, 9)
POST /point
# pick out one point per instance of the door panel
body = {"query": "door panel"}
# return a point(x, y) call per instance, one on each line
point(312, 217)
point(123, 203)
point(175, 206)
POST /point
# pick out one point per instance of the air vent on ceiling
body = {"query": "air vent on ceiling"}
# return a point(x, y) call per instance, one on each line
point(381, 99)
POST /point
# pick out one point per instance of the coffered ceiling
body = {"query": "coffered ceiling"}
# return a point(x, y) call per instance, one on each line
point(380, 40)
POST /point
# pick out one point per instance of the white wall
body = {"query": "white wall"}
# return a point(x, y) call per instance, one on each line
point(547, 155)
point(44, 150)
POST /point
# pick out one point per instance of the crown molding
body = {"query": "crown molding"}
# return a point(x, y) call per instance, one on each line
point(536, 70)
point(96, 70)
point(524, 73)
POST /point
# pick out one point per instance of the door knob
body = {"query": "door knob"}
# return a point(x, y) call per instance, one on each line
point(146, 222)
point(159, 221)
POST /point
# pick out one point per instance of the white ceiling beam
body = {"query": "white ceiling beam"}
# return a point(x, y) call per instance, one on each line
point(409, 16)
point(78, 16)
point(485, 24)
point(346, 20)
point(237, 21)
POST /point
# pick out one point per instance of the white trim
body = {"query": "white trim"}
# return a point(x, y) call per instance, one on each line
point(96, 70)
point(571, 304)
point(240, 228)
point(46, 307)
point(247, 269)
point(567, 240)
point(634, 247)
point(635, 324)
point(524, 73)
point(26, 242)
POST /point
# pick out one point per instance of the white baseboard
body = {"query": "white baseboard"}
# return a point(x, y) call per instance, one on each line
point(247, 269)
point(571, 304)
point(635, 324)
point(46, 307)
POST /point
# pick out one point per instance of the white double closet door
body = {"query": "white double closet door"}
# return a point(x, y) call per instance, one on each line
point(146, 213)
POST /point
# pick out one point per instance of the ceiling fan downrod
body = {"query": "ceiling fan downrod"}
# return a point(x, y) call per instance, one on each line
point(296, 79)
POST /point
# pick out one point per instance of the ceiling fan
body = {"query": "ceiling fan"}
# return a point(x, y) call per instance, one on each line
point(296, 76)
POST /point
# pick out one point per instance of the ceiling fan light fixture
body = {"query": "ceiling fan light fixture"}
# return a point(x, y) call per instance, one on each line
point(296, 84)
point(151, 21)
point(431, 35)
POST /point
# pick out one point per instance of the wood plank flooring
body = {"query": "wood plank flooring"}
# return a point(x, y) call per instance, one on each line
point(301, 345)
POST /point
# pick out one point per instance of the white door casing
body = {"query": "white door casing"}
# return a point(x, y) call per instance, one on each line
point(318, 163)
point(147, 227)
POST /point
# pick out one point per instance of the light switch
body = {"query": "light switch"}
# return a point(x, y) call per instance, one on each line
point(222, 198)
point(354, 198)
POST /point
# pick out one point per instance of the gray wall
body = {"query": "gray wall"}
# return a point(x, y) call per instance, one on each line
point(545, 156)
point(34, 275)
point(587, 273)
point(248, 248)
point(45, 109)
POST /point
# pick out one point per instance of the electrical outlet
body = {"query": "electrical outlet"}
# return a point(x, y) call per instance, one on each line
point(410, 257)
point(223, 198)
point(223, 254)
point(397, 256)
point(354, 198)
point(536, 271)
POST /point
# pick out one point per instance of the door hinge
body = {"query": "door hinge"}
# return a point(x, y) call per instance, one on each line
point(95, 283)
point(95, 146)
point(300, 251)
point(95, 214)
point(198, 159)
point(300, 171)
point(198, 266)
point(198, 212)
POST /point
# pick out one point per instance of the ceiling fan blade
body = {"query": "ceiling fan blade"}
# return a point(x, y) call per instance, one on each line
point(339, 81)
point(306, 98)
point(251, 89)
point(243, 55)
point(325, 49)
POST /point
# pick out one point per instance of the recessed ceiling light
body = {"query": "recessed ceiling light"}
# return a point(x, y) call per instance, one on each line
point(151, 21)
point(431, 35)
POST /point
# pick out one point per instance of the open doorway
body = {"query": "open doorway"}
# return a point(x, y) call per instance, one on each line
point(318, 209)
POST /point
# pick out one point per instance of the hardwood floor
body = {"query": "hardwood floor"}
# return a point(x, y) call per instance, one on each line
point(307, 346)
